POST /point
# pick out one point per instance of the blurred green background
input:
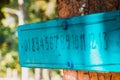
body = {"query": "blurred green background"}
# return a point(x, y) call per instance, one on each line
point(32, 11)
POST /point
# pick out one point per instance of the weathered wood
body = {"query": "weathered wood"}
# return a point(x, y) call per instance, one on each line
point(68, 8)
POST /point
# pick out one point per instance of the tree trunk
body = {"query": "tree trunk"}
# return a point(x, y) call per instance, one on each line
point(69, 8)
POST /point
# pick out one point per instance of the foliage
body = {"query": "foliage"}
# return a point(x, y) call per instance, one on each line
point(34, 11)
point(2, 4)
point(39, 10)
point(8, 49)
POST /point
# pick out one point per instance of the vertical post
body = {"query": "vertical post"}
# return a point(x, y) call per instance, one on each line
point(25, 71)
point(46, 74)
point(21, 14)
point(38, 74)
point(14, 74)
point(68, 8)
point(8, 75)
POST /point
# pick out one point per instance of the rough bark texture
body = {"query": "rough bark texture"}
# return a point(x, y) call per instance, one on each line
point(69, 8)
point(85, 75)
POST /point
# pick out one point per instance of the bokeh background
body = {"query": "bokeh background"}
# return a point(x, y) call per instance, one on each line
point(12, 14)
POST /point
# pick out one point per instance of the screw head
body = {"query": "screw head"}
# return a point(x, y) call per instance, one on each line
point(65, 25)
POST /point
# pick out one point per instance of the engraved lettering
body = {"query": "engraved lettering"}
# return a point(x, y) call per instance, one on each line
point(37, 43)
point(41, 43)
point(56, 41)
point(33, 44)
point(46, 43)
point(26, 45)
point(76, 42)
point(62, 41)
point(51, 42)
point(68, 41)
point(105, 40)
point(29, 44)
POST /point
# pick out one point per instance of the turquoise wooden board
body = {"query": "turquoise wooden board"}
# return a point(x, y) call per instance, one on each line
point(89, 42)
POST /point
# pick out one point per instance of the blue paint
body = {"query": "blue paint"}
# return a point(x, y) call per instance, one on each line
point(89, 43)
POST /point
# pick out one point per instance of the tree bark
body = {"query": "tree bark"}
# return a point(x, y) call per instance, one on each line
point(69, 8)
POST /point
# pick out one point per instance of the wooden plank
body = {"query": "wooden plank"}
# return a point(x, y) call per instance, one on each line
point(82, 44)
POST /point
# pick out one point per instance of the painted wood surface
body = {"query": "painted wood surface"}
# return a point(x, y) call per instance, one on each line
point(68, 8)
point(82, 44)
